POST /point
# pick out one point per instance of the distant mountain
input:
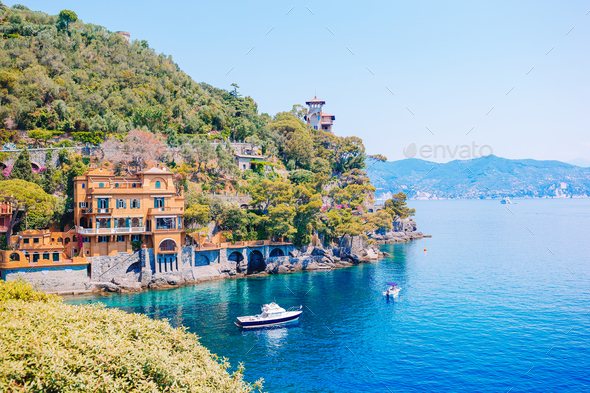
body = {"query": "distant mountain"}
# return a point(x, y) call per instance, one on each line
point(484, 177)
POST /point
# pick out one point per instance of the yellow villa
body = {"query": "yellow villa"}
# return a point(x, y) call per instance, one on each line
point(112, 212)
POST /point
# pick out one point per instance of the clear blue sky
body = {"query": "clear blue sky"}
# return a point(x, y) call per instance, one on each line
point(448, 62)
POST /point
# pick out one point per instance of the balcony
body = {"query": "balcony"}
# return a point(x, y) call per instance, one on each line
point(109, 231)
point(92, 210)
point(154, 211)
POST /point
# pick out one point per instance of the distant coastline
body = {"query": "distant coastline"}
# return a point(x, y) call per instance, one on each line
point(489, 177)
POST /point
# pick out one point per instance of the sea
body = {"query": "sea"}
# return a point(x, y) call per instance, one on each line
point(498, 300)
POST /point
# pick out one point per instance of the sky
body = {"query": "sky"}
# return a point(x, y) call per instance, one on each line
point(509, 75)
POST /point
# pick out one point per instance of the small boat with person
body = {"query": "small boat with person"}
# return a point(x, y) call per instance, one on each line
point(393, 290)
point(272, 314)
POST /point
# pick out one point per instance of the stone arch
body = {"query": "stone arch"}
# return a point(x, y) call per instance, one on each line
point(244, 206)
point(277, 252)
point(201, 260)
point(35, 166)
point(14, 257)
point(134, 268)
point(235, 256)
point(256, 262)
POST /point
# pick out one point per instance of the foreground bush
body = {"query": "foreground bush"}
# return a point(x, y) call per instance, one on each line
point(49, 346)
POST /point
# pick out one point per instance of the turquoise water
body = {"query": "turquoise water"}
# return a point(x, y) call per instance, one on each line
point(490, 306)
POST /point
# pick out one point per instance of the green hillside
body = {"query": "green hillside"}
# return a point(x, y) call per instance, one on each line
point(81, 83)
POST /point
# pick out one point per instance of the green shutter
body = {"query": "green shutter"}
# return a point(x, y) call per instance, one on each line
point(127, 222)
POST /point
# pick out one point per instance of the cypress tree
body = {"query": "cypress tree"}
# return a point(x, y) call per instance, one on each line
point(22, 168)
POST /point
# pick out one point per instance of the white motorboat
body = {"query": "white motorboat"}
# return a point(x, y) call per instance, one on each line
point(506, 201)
point(392, 291)
point(272, 314)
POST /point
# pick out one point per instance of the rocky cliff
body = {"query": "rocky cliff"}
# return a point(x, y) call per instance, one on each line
point(404, 229)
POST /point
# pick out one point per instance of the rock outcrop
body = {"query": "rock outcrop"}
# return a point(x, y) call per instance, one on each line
point(403, 230)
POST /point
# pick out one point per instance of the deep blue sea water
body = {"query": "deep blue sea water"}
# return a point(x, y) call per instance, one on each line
point(500, 300)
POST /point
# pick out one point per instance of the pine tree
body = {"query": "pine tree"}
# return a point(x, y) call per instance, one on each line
point(22, 168)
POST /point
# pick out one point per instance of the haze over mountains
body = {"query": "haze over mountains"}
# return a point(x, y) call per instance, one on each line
point(484, 177)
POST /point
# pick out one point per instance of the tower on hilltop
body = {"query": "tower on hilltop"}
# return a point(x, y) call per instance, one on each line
point(316, 118)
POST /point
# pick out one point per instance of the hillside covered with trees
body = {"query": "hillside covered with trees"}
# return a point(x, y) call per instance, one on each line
point(66, 82)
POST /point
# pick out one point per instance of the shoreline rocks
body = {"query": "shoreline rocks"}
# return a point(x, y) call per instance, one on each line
point(352, 250)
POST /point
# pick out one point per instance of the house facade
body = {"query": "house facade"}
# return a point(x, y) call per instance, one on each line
point(316, 118)
point(116, 214)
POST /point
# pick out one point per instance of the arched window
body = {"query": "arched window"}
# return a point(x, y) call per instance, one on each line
point(103, 223)
point(121, 222)
point(67, 240)
point(60, 240)
point(116, 185)
point(135, 222)
point(35, 257)
point(168, 245)
point(46, 255)
point(158, 184)
point(14, 257)
point(56, 256)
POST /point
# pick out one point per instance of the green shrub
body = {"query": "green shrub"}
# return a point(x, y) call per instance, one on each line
point(50, 346)
point(88, 137)
point(136, 245)
point(22, 290)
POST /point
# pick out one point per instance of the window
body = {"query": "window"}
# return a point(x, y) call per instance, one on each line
point(103, 239)
point(36, 257)
point(103, 223)
point(25, 241)
point(136, 222)
point(120, 238)
point(36, 240)
point(103, 203)
point(56, 256)
point(165, 223)
point(83, 204)
point(121, 204)
point(116, 185)
point(85, 240)
point(135, 238)
point(158, 202)
point(168, 245)
point(100, 185)
point(46, 255)
point(60, 240)
point(158, 184)
point(135, 203)
point(179, 222)
point(83, 185)
point(134, 185)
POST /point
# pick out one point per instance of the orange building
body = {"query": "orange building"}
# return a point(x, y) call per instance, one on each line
point(5, 213)
point(43, 245)
point(114, 213)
